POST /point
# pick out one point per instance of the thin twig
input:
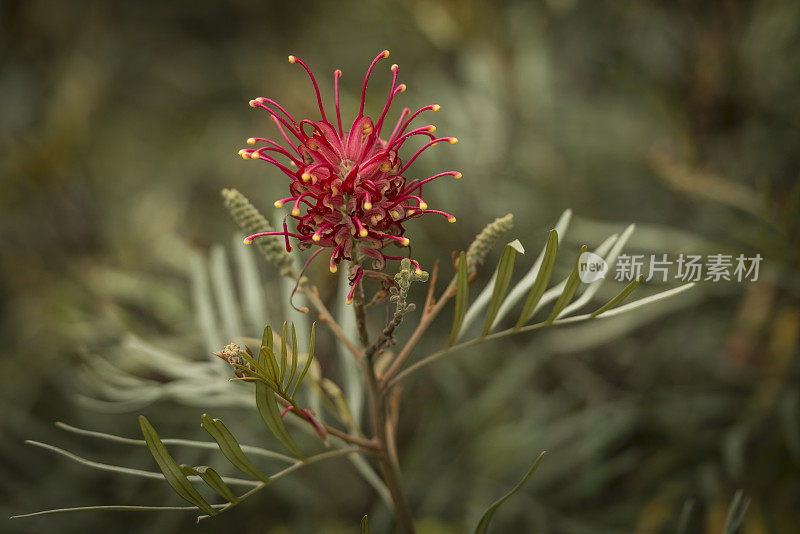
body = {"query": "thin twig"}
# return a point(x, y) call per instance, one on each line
point(280, 474)
point(325, 316)
point(428, 315)
point(392, 382)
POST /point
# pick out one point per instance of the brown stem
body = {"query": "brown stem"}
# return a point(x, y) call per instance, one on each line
point(377, 408)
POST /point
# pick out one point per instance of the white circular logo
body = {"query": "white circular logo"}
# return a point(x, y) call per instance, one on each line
point(591, 267)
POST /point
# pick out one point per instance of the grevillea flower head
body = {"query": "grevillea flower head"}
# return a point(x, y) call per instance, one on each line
point(348, 189)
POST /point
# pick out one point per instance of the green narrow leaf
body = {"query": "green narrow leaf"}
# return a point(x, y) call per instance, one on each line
point(284, 353)
point(266, 338)
point(645, 301)
point(268, 410)
point(293, 368)
point(172, 473)
point(487, 516)
point(365, 525)
point(542, 279)
point(270, 363)
point(736, 513)
point(573, 282)
point(222, 285)
point(462, 299)
point(106, 508)
point(213, 480)
point(523, 286)
point(308, 360)
point(684, 517)
point(230, 448)
point(613, 303)
point(504, 272)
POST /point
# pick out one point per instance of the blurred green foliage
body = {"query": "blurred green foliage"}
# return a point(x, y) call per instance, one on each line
point(120, 123)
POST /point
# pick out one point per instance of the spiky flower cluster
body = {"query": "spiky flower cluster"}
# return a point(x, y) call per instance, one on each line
point(348, 190)
point(231, 353)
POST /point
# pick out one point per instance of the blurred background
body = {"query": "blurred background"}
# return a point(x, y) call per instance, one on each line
point(120, 123)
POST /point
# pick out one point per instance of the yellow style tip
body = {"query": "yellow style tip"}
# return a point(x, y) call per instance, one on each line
point(385, 53)
point(253, 103)
point(305, 177)
point(348, 301)
point(458, 176)
point(363, 233)
point(405, 242)
point(394, 67)
point(278, 204)
point(411, 212)
point(247, 241)
point(402, 87)
point(292, 59)
point(431, 128)
point(315, 237)
point(367, 205)
point(251, 141)
point(423, 205)
point(451, 219)
point(453, 140)
point(436, 107)
point(334, 268)
point(295, 212)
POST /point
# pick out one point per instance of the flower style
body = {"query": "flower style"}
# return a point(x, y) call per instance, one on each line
point(351, 184)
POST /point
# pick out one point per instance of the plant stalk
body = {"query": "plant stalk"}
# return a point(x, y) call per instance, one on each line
point(377, 409)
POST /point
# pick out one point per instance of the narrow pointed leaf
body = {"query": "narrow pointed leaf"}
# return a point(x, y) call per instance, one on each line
point(504, 271)
point(462, 299)
point(619, 243)
point(293, 368)
point(213, 480)
point(270, 363)
point(172, 473)
point(222, 284)
point(487, 516)
point(365, 525)
point(542, 278)
point(268, 410)
point(108, 508)
point(552, 294)
point(284, 353)
point(523, 286)
point(178, 442)
point(573, 282)
point(648, 300)
point(308, 359)
point(613, 303)
point(266, 338)
point(736, 513)
point(230, 448)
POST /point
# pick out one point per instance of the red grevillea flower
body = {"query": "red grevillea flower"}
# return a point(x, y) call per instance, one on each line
point(348, 190)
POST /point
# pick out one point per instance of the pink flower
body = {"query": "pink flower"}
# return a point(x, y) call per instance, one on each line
point(348, 190)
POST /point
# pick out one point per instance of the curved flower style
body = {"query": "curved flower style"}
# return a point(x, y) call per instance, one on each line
point(351, 184)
